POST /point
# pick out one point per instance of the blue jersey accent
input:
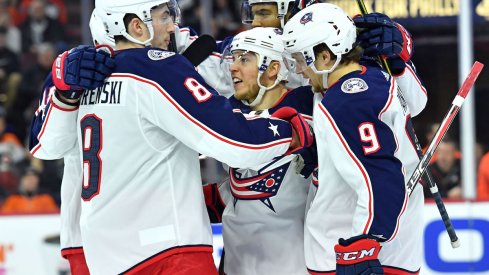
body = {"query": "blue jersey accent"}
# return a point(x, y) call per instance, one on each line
point(216, 112)
point(349, 111)
point(40, 116)
point(300, 99)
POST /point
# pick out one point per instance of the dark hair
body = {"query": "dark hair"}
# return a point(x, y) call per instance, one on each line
point(127, 19)
point(352, 56)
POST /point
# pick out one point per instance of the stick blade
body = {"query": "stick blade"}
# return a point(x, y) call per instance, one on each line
point(469, 81)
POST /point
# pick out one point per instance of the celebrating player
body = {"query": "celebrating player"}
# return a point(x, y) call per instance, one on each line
point(365, 154)
point(267, 203)
point(143, 209)
point(46, 142)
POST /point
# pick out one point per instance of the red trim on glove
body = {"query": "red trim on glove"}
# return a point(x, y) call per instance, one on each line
point(58, 69)
point(407, 45)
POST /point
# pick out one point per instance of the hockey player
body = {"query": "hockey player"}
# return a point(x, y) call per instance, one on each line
point(142, 209)
point(365, 154)
point(266, 204)
point(46, 142)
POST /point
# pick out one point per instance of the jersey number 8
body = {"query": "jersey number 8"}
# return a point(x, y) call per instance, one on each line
point(91, 130)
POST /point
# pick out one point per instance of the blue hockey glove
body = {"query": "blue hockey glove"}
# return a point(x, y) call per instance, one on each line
point(308, 161)
point(80, 68)
point(358, 256)
point(302, 136)
point(383, 37)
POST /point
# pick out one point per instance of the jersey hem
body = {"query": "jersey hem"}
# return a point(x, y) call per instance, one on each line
point(71, 250)
point(388, 270)
point(166, 253)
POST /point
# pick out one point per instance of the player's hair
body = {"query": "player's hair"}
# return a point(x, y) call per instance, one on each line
point(127, 19)
point(352, 56)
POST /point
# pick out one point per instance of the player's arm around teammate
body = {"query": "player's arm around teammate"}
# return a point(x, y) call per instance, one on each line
point(364, 152)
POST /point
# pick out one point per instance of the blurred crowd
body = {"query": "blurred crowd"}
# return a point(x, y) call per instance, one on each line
point(33, 32)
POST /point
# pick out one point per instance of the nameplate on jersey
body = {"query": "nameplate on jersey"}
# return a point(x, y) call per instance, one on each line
point(110, 94)
point(354, 85)
point(159, 55)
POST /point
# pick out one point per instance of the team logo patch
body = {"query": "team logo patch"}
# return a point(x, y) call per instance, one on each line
point(159, 55)
point(306, 18)
point(257, 187)
point(354, 85)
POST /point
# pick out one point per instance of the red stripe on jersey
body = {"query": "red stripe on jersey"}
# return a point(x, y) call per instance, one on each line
point(389, 101)
point(197, 122)
point(417, 79)
point(359, 165)
point(166, 253)
point(404, 206)
point(71, 250)
point(313, 272)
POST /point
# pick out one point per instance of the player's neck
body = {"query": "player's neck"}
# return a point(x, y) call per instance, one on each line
point(342, 70)
point(124, 45)
point(270, 97)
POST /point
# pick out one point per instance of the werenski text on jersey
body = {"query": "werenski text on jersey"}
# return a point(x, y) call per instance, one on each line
point(110, 93)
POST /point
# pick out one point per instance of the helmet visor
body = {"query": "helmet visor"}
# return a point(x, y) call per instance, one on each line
point(167, 13)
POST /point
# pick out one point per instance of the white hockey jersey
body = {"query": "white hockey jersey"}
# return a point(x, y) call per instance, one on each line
point(263, 221)
point(139, 135)
point(366, 155)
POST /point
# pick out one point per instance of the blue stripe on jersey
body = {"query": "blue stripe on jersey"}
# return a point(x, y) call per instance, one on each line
point(349, 111)
point(41, 114)
point(215, 113)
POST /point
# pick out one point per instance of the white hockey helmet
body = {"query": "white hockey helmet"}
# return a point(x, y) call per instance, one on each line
point(267, 44)
point(99, 36)
point(319, 23)
point(282, 9)
point(112, 13)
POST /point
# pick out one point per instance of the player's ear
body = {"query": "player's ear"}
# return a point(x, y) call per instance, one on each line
point(273, 69)
point(136, 27)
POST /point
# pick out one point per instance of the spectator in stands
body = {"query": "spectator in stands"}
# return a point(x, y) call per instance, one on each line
point(26, 97)
point(55, 9)
point(14, 40)
point(11, 8)
point(29, 199)
point(446, 170)
point(38, 28)
point(9, 70)
point(483, 178)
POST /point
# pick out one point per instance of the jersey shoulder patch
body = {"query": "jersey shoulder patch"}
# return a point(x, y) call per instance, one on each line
point(159, 54)
point(354, 85)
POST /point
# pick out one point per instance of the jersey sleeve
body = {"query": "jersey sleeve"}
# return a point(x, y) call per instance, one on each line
point(53, 127)
point(363, 149)
point(412, 89)
point(185, 106)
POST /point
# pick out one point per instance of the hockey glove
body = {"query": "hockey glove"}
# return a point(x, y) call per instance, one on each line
point(383, 37)
point(83, 67)
point(358, 256)
point(307, 161)
point(301, 132)
point(213, 202)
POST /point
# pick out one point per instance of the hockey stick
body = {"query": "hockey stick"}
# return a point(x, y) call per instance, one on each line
point(427, 176)
point(442, 130)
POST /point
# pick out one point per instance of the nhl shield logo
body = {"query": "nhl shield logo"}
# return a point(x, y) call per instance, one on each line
point(354, 85)
point(306, 18)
